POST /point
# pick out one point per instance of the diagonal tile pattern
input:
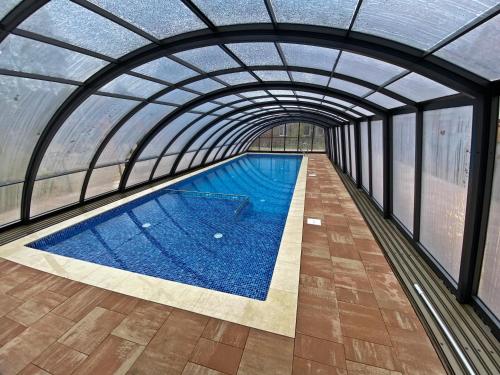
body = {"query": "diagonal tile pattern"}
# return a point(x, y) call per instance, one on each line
point(353, 317)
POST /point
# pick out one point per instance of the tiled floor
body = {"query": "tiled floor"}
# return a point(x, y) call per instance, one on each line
point(353, 317)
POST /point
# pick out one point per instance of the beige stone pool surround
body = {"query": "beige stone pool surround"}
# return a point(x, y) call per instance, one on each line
point(276, 314)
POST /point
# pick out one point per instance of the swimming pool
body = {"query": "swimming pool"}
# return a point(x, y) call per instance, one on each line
point(220, 229)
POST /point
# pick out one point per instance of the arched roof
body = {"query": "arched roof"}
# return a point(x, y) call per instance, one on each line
point(91, 84)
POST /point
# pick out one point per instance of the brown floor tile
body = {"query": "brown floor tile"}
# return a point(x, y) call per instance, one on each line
point(350, 267)
point(66, 287)
point(156, 363)
point(143, 322)
point(319, 321)
point(368, 246)
point(359, 283)
point(318, 350)
point(36, 307)
point(342, 250)
point(33, 370)
point(401, 320)
point(59, 359)
point(314, 266)
point(53, 325)
point(8, 303)
point(266, 354)
point(356, 296)
point(81, 303)
point(14, 274)
point(371, 354)
point(9, 329)
point(318, 251)
point(32, 286)
point(355, 368)
point(360, 231)
point(226, 332)
point(114, 356)
point(333, 220)
point(363, 323)
point(195, 369)
point(119, 302)
point(303, 366)
point(217, 356)
point(388, 292)
point(89, 332)
point(340, 235)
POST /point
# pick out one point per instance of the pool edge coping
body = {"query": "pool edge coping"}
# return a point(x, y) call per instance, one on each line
point(277, 314)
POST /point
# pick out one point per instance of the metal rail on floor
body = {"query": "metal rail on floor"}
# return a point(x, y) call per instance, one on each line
point(472, 337)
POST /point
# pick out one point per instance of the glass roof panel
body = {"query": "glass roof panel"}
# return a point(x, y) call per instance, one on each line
point(333, 13)
point(74, 145)
point(384, 100)
point(477, 51)
point(258, 53)
point(223, 110)
point(338, 101)
point(309, 56)
point(353, 114)
point(205, 107)
point(349, 87)
point(125, 140)
point(166, 69)
point(6, 6)
point(26, 106)
point(241, 104)
point(310, 78)
point(366, 68)
point(29, 56)
point(132, 86)
point(293, 98)
point(228, 99)
point(272, 75)
point(237, 78)
point(363, 111)
point(161, 19)
point(205, 85)
point(177, 96)
point(230, 12)
point(252, 94)
point(64, 20)
point(418, 23)
point(208, 59)
point(263, 100)
point(419, 88)
point(309, 94)
point(281, 92)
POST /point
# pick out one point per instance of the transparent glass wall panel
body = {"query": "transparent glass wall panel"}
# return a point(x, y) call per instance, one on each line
point(319, 139)
point(103, 180)
point(365, 159)
point(489, 283)
point(445, 173)
point(255, 145)
point(259, 53)
point(278, 144)
point(161, 19)
point(64, 20)
point(421, 24)
point(291, 144)
point(419, 88)
point(75, 143)
point(140, 172)
point(354, 170)
point(377, 161)
point(30, 56)
point(165, 165)
point(347, 150)
point(333, 13)
point(265, 144)
point(53, 193)
point(166, 70)
point(125, 140)
point(208, 59)
point(403, 168)
point(26, 105)
point(10, 203)
point(477, 51)
point(339, 141)
point(229, 12)
point(184, 162)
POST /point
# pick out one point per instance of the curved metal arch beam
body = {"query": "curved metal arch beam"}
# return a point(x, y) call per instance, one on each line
point(448, 74)
point(234, 90)
point(235, 112)
point(222, 136)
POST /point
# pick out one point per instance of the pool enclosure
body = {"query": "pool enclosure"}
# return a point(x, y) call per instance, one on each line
point(100, 96)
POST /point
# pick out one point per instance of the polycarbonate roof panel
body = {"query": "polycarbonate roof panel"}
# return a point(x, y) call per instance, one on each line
point(310, 94)
point(333, 13)
point(363, 111)
point(230, 12)
point(352, 114)
point(309, 56)
point(223, 111)
point(259, 53)
point(6, 6)
point(30, 56)
point(125, 140)
point(349, 87)
point(166, 70)
point(208, 59)
point(66, 21)
point(284, 98)
point(384, 100)
point(161, 19)
point(272, 75)
point(205, 85)
point(338, 101)
point(75, 143)
point(228, 99)
point(477, 51)
point(310, 78)
point(263, 100)
point(205, 107)
point(252, 94)
point(281, 92)
point(177, 96)
point(132, 86)
point(241, 104)
point(419, 88)
point(237, 78)
point(418, 23)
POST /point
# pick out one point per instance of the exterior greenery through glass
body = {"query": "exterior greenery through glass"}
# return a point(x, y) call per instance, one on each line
point(294, 137)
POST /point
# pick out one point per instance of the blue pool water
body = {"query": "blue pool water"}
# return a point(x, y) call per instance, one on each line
point(226, 242)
